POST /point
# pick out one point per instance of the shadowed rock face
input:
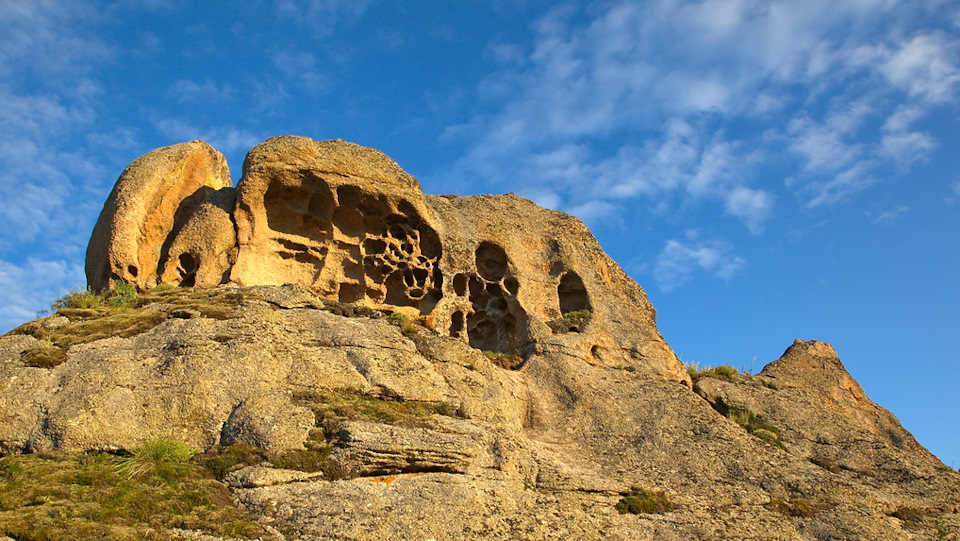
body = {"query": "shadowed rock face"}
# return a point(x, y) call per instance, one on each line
point(349, 224)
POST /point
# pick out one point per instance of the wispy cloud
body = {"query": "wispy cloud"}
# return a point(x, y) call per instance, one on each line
point(300, 67)
point(673, 101)
point(30, 287)
point(207, 91)
point(680, 260)
point(322, 15)
point(888, 216)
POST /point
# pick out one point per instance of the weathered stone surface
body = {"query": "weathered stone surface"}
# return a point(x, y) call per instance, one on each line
point(541, 452)
point(151, 201)
point(497, 272)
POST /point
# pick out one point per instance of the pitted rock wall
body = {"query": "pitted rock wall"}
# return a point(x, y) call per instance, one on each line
point(348, 223)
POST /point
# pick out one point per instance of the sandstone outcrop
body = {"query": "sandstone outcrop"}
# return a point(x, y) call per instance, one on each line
point(153, 198)
point(349, 224)
point(403, 367)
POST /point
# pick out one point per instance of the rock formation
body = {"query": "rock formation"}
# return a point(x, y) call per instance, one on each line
point(331, 298)
point(349, 224)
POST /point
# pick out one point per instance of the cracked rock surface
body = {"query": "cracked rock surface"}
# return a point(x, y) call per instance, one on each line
point(542, 452)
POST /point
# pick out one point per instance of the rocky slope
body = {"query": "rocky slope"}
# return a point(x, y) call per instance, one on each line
point(377, 412)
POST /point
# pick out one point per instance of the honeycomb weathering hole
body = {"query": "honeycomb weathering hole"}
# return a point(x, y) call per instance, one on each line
point(572, 293)
point(491, 261)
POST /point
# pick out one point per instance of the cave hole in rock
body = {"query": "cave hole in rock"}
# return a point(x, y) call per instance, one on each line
point(511, 285)
point(374, 246)
point(188, 270)
point(572, 293)
point(397, 231)
point(132, 269)
point(374, 224)
point(430, 245)
point(482, 332)
point(348, 196)
point(321, 205)
point(406, 207)
point(456, 324)
point(303, 211)
point(460, 284)
point(476, 286)
point(374, 207)
point(430, 301)
point(374, 294)
point(350, 292)
point(396, 293)
point(349, 221)
point(491, 261)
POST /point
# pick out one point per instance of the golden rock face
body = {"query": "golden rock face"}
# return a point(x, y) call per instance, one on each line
point(152, 199)
point(348, 223)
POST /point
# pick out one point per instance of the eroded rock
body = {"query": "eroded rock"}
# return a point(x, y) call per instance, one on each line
point(154, 197)
point(350, 225)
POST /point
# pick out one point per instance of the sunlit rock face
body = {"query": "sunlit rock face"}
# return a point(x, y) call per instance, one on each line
point(347, 222)
point(153, 199)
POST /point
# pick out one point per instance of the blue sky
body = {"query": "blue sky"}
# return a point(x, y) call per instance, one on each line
point(766, 170)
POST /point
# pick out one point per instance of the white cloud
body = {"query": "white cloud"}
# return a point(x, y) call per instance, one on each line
point(322, 15)
point(925, 66)
point(889, 216)
point(834, 189)
point(752, 206)
point(901, 144)
point(675, 101)
point(31, 286)
point(680, 260)
point(208, 91)
point(300, 66)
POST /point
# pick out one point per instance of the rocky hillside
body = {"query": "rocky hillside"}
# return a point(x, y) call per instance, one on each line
point(357, 360)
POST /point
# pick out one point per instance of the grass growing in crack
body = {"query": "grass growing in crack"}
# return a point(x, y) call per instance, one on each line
point(53, 496)
point(756, 425)
point(119, 312)
point(640, 500)
point(797, 507)
point(331, 410)
point(723, 372)
point(403, 321)
point(571, 322)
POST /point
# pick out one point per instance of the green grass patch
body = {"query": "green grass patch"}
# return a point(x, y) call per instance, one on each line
point(119, 312)
point(578, 314)
point(756, 425)
point(58, 496)
point(640, 500)
point(46, 355)
point(723, 372)
point(407, 327)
